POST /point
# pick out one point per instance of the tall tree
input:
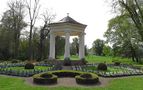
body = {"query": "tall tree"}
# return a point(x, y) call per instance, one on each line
point(98, 47)
point(123, 35)
point(17, 14)
point(33, 14)
point(12, 23)
point(135, 10)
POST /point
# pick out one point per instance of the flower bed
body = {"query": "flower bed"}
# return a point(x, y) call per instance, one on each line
point(19, 69)
point(112, 71)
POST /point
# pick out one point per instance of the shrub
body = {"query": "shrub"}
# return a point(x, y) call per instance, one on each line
point(46, 75)
point(29, 66)
point(102, 66)
point(84, 61)
point(117, 63)
point(66, 73)
point(51, 77)
point(45, 78)
point(67, 62)
point(87, 79)
point(14, 61)
point(87, 75)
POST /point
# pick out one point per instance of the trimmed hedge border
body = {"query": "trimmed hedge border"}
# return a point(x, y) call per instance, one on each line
point(87, 80)
point(38, 79)
point(66, 73)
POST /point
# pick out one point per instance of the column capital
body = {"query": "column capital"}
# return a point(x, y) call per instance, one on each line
point(82, 33)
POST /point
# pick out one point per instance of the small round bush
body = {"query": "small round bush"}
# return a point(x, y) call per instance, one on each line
point(117, 63)
point(102, 66)
point(14, 61)
point(29, 66)
point(67, 62)
point(84, 61)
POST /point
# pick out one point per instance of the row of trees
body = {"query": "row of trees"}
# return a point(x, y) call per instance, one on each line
point(19, 43)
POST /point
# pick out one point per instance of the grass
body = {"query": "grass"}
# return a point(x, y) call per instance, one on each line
point(129, 83)
point(102, 59)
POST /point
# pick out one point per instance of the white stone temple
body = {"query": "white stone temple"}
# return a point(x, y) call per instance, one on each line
point(67, 27)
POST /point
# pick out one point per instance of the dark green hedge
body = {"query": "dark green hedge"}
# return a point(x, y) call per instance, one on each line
point(42, 79)
point(87, 79)
point(66, 73)
point(81, 77)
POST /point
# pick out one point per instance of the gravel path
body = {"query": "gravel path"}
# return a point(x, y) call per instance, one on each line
point(70, 82)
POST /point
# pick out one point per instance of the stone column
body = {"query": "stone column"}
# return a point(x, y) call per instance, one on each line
point(67, 45)
point(52, 46)
point(81, 46)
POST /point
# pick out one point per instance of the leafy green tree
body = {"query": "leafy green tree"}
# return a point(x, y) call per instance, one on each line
point(75, 46)
point(12, 23)
point(123, 35)
point(134, 8)
point(107, 50)
point(59, 46)
point(16, 15)
point(98, 47)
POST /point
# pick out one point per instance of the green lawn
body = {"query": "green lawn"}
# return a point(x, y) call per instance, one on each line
point(130, 83)
point(99, 59)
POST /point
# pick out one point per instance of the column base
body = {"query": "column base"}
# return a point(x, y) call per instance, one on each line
point(66, 58)
point(82, 59)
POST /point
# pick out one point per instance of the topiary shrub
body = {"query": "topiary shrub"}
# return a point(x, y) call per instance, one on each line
point(87, 75)
point(117, 63)
point(67, 62)
point(102, 66)
point(46, 75)
point(87, 79)
point(45, 78)
point(14, 61)
point(66, 73)
point(29, 66)
point(84, 62)
point(51, 77)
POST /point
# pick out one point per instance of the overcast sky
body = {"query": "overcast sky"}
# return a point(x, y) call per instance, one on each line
point(94, 13)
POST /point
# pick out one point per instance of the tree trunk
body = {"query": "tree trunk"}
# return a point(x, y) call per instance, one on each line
point(30, 43)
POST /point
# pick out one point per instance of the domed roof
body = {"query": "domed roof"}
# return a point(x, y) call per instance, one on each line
point(68, 19)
